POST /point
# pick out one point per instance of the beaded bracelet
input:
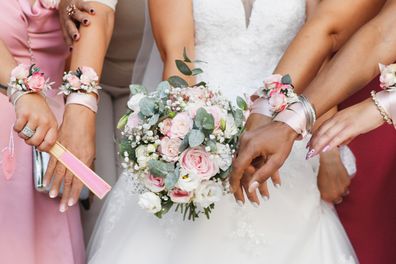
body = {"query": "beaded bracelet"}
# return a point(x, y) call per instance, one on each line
point(381, 110)
point(26, 79)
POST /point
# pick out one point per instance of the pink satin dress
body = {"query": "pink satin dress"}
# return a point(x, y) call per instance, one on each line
point(32, 230)
point(369, 212)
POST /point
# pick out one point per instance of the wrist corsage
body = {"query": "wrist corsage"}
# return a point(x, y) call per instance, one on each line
point(385, 101)
point(26, 79)
point(275, 96)
point(81, 87)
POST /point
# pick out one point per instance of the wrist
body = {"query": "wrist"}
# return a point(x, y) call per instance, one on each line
point(290, 133)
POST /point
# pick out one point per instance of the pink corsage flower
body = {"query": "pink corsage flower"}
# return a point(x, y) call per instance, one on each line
point(36, 82)
point(88, 75)
point(277, 101)
point(179, 196)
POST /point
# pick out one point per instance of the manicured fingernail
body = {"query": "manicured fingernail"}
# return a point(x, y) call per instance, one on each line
point(75, 36)
point(240, 203)
point(45, 184)
point(92, 11)
point(70, 48)
point(85, 21)
point(255, 205)
point(277, 185)
point(253, 187)
point(62, 208)
point(53, 194)
point(71, 202)
point(310, 154)
point(325, 149)
point(265, 197)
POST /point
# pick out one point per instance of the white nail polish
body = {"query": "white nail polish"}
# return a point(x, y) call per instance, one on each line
point(277, 185)
point(53, 194)
point(62, 208)
point(255, 205)
point(265, 198)
point(71, 202)
point(240, 203)
point(253, 187)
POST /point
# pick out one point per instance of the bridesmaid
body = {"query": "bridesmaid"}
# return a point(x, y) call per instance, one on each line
point(31, 226)
point(119, 63)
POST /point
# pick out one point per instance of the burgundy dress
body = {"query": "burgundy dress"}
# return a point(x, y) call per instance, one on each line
point(369, 212)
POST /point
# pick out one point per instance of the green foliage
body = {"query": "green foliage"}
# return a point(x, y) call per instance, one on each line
point(160, 169)
point(137, 89)
point(195, 138)
point(147, 106)
point(242, 103)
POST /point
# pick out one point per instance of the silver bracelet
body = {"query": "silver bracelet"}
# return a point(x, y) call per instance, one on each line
point(310, 112)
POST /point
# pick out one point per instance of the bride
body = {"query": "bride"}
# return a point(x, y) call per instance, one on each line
point(242, 41)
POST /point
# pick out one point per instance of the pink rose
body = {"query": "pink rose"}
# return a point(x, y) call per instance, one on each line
point(181, 125)
point(154, 184)
point(20, 72)
point(133, 120)
point(166, 126)
point(196, 93)
point(74, 81)
point(88, 75)
point(197, 161)
point(36, 82)
point(180, 196)
point(169, 148)
point(192, 108)
point(277, 101)
point(388, 76)
point(217, 113)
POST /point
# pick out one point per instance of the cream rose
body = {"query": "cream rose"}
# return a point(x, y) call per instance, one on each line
point(20, 72)
point(169, 148)
point(133, 102)
point(165, 126)
point(150, 202)
point(36, 82)
point(197, 161)
point(88, 75)
point(181, 125)
point(277, 101)
point(180, 196)
point(207, 193)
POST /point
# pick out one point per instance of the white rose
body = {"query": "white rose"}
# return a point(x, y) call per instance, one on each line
point(150, 202)
point(207, 193)
point(224, 157)
point(20, 72)
point(188, 182)
point(142, 155)
point(133, 102)
point(231, 128)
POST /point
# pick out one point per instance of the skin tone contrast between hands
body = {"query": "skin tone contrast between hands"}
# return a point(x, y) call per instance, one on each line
point(325, 32)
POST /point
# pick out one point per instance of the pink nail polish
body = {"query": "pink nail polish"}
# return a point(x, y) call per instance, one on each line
point(325, 149)
point(310, 154)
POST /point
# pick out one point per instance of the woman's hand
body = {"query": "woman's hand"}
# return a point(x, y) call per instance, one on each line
point(345, 126)
point(249, 161)
point(80, 15)
point(33, 111)
point(77, 134)
point(333, 178)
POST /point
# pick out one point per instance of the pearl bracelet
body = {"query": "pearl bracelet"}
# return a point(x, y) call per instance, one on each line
point(381, 110)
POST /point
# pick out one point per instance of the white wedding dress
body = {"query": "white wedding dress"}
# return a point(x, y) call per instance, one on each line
point(293, 227)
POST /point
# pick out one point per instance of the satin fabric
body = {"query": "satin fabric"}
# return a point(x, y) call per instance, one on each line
point(32, 228)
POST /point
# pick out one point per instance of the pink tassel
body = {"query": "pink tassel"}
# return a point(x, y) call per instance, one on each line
point(8, 158)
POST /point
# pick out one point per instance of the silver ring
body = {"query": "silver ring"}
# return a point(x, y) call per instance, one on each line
point(28, 132)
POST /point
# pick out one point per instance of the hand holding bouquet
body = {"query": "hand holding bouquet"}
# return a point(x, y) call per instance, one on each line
point(178, 144)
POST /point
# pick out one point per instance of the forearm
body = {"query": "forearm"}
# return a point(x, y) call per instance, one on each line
point(357, 63)
point(90, 49)
point(329, 27)
point(7, 63)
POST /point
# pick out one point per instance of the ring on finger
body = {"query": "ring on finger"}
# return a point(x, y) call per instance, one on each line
point(27, 132)
point(346, 193)
point(71, 10)
point(340, 200)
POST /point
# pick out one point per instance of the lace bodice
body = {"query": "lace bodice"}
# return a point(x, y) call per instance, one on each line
point(240, 55)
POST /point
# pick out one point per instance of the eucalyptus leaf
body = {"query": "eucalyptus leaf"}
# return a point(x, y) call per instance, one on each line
point(286, 79)
point(239, 118)
point(204, 120)
point(212, 145)
point(162, 88)
point(147, 106)
point(242, 103)
point(153, 120)
point(196, 71)
point(184, 145)
point(159, 168)
point(171, 180)
point(185, 56)
point(200, 84)
point(195, 138)
point(176, 81)
point(183, 67)
point(137, 88)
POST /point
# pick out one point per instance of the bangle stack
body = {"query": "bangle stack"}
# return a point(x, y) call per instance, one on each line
point(26, 79)
point(81, 87)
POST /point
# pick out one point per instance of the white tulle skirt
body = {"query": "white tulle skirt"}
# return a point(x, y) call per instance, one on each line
point(293, 227)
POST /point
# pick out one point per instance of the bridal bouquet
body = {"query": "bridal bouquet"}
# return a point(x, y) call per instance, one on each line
point(178, 144)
